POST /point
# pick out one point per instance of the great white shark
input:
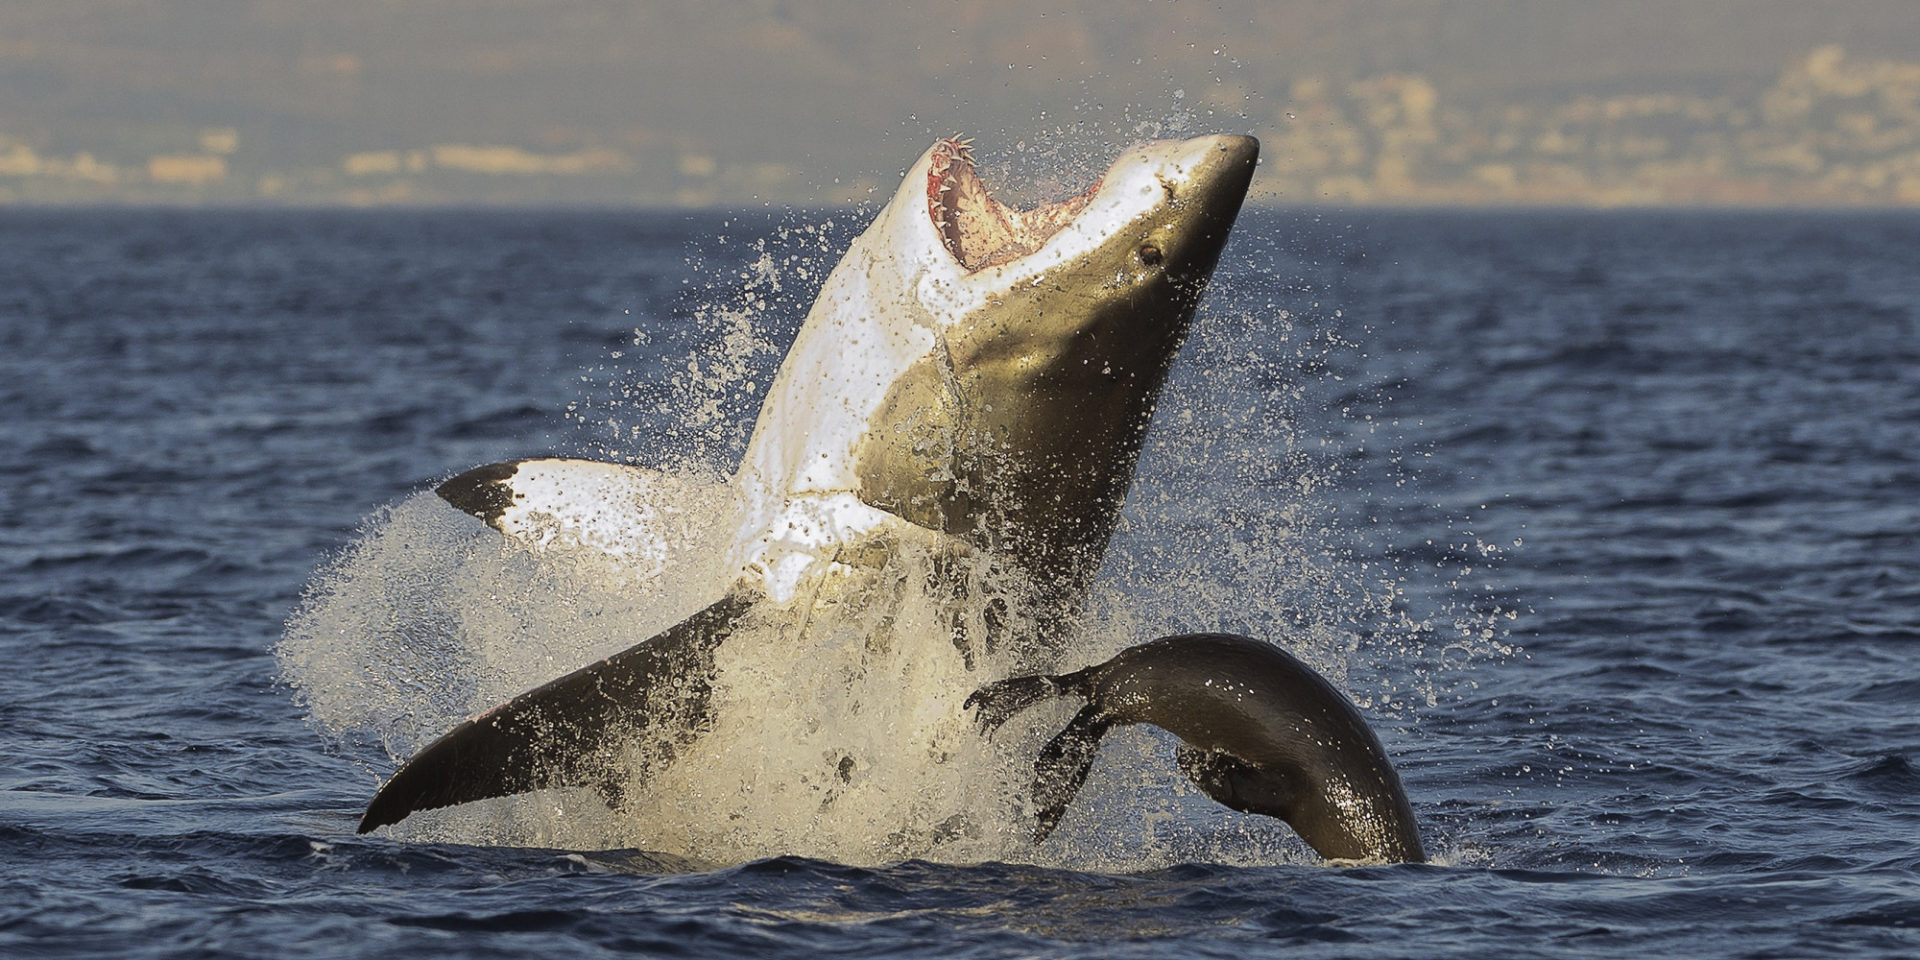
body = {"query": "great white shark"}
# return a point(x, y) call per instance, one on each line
point(974, 382)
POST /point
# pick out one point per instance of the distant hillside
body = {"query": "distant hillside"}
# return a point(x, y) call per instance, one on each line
point(732, 102)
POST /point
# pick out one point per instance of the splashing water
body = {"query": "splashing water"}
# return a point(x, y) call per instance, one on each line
point(838, 727)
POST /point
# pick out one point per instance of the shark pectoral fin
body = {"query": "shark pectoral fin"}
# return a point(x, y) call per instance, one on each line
point(571, 731)
point(633, 514)
point(1063, 767)
point(995, 703)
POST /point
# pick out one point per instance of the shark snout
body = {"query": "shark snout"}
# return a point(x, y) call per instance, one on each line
point(1214, 173)
point(1204, 181)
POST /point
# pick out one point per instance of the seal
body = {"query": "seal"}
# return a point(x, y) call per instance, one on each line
point(974, 382)
point(1261, 732)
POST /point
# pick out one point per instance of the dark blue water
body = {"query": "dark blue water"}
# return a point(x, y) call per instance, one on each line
point(1682, 449)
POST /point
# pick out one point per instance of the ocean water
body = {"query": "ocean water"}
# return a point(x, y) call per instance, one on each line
point(1608, 520)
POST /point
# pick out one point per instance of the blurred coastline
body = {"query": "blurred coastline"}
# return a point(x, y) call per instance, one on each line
point(1381, 103)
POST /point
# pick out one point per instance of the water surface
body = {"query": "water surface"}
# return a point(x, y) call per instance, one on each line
point(1679, 448)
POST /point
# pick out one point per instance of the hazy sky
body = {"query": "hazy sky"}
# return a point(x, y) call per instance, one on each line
point(828, 89)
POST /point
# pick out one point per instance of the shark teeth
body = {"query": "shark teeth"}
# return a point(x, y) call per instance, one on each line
point(978, 230)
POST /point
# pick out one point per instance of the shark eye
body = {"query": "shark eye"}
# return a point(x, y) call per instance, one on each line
point(1150, 255)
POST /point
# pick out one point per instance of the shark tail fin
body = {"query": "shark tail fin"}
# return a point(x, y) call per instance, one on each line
point(570, 731)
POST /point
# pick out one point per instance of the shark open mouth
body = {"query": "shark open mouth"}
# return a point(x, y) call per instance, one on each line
point(979, 230)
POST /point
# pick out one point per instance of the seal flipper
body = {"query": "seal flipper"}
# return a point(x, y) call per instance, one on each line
point(1063, 764)
point(568, 732)
point(998, 702)
point(1063, 767)
point(1238, 785)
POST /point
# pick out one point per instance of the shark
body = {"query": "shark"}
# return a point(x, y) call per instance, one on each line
point(974, 382)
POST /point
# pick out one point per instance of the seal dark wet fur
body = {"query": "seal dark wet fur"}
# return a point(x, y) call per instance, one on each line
point(1263, 733)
